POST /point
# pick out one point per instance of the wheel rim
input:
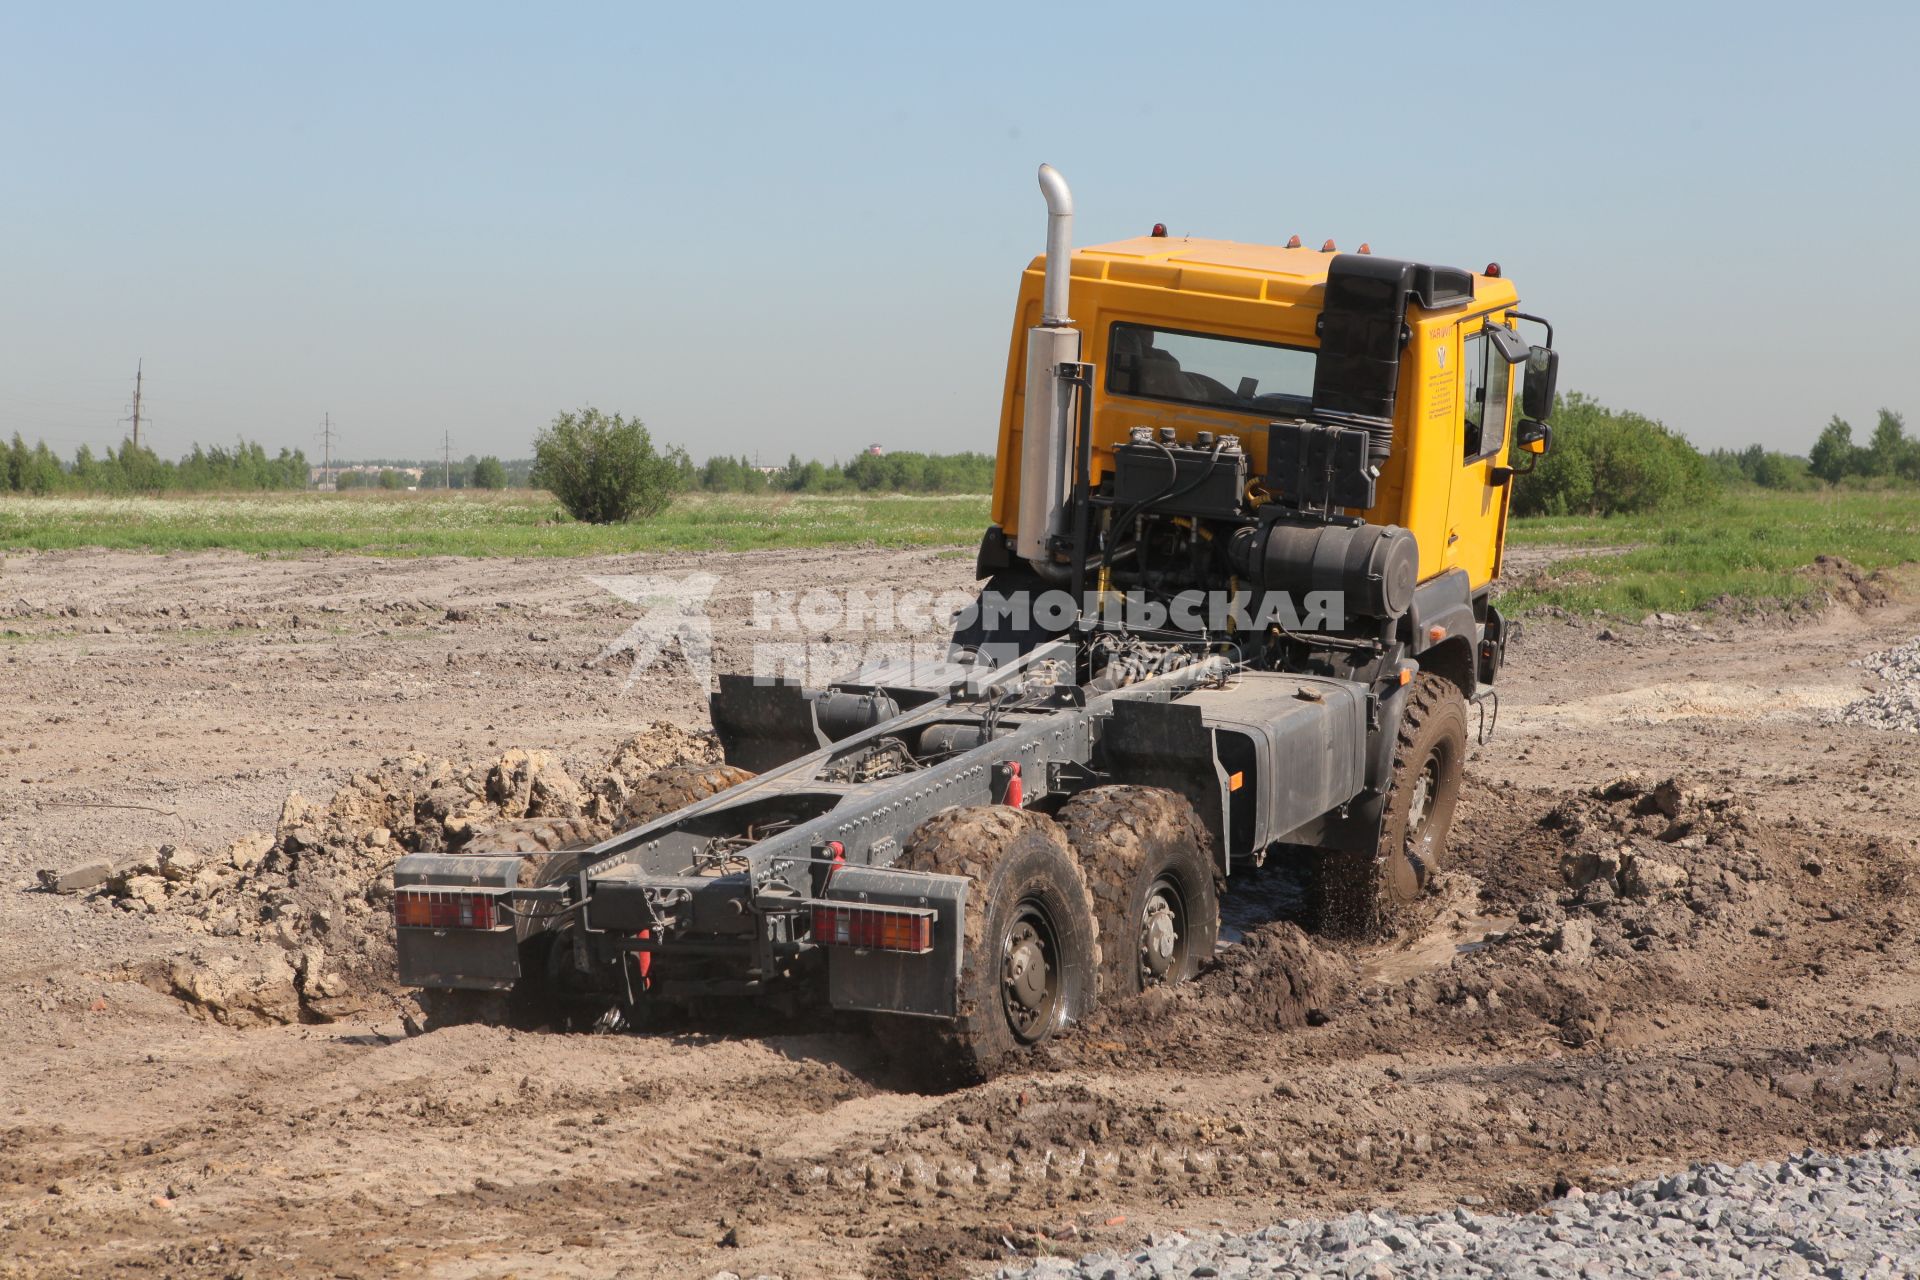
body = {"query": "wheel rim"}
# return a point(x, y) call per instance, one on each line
point(1030, 973)
point(1408, 874)
point(1163, 934)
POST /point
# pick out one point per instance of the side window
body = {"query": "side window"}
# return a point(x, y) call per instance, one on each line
point(1484, 398)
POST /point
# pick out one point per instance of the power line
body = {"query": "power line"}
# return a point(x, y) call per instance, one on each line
point(446, 460)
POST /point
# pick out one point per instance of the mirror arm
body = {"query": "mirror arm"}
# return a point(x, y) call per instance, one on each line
point(1521, 315)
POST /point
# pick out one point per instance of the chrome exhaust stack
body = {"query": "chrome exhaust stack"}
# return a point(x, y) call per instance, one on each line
point(1046, 426)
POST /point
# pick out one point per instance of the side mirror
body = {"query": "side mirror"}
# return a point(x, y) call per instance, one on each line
point(1536, 394)
point(1534, 437)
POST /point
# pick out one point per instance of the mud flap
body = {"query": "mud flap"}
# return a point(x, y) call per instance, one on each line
point(762, 726)
point(889, 982)
point(470, 959)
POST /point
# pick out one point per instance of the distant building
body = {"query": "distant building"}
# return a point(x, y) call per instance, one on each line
point(876, 451)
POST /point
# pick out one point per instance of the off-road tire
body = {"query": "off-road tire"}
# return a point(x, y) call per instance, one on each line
point(1366, 893)
point(661, 793)
point(1141, 848)
point(1027, 896)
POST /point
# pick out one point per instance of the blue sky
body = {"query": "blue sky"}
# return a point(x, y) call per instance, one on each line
point(798, 228)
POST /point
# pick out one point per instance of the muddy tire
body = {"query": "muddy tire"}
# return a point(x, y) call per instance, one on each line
point(1148, 864)
point(1031, 958)
point(661, 793)
point(1365, 893)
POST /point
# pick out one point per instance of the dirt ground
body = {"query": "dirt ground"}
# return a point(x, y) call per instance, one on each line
point(1679, 924)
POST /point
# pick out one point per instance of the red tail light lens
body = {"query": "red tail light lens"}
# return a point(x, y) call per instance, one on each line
point(908, 929)
point(445, 909)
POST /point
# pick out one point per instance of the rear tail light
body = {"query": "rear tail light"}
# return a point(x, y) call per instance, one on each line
point(908, 929)
point(445, 909)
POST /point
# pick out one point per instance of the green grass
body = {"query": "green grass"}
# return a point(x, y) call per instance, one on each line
point(1749, 546)
point(515, 522)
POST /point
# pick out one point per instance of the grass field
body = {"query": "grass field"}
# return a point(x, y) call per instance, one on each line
point(1749, 545)
point(509, 523)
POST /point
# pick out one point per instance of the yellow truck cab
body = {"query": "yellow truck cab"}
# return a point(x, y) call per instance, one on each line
point(1290, 354)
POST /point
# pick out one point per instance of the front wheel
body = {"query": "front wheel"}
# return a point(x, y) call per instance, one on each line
point(1029, 940)
point(1364, 893)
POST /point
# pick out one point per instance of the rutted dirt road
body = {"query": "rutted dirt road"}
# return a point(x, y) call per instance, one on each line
point(1619, 975)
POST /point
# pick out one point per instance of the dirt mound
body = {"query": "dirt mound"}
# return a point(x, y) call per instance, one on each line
point(314, 896)
point(1275, 979)
point(1846, 584)
point(1628, 900)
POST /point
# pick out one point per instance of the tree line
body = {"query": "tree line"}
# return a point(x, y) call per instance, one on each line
point(1603, 461)
point(903, 472)
point(132, 468)
point(1606, 461)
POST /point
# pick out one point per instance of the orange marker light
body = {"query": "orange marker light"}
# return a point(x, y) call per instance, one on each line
point(1493, 269)
point(1236, 780)
point(1436, 632)
point(1365, 247)
point(1293, 242)
point(1406, 675)
point(1327, 247)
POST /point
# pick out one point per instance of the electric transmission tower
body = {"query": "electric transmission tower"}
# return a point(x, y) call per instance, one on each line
point(326, 437)
point(139, 378)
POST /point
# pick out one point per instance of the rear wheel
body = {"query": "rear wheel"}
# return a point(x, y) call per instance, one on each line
point(1364, 893)
point(659, 794)
point(1156, 900)
point(1030, 955)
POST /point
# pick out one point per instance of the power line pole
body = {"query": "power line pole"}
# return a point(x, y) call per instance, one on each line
point(139, 375)
point(326, 436)
point(446, 460)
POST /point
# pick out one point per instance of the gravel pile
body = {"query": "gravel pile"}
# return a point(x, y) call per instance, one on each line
point(1810, 1216)
point(1896, 704)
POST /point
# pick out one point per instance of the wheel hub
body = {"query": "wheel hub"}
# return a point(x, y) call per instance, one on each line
point(1159, 939)
point(1418, 802)
point(1027, 978)
point(1407, 874)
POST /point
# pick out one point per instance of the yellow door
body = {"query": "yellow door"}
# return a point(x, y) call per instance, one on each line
point(1475, 507)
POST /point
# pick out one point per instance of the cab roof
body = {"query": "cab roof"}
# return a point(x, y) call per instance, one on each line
point(1225, 267)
